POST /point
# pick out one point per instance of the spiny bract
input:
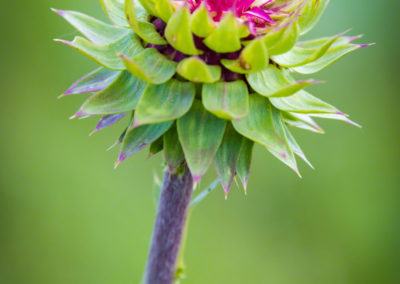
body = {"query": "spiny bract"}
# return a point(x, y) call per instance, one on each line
point(203, 80)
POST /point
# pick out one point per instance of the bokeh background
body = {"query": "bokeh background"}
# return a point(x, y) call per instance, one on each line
point(66, 216)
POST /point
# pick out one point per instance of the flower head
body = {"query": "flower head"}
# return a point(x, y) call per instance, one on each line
point(257, 15)
point(248, 9)
point(204, 80)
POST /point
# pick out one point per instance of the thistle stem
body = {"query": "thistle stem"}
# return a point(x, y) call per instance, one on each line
point(169, 227)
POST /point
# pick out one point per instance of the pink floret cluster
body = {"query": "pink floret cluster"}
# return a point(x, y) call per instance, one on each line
point(254, 11)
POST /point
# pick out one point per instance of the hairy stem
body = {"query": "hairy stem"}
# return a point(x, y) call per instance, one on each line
point(169, 227)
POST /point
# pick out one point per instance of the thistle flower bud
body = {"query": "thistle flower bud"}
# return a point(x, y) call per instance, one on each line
point(204, 80)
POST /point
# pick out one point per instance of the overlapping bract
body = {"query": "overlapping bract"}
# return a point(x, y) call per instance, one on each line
point(201, 85)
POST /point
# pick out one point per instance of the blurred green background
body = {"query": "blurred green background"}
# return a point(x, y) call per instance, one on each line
point(66, 216)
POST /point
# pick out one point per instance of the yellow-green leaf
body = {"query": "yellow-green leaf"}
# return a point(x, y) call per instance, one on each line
point(115, 11)
point(244, 162)
point(172, 149)
point(156, 147)
point(196, 70)
point(227, 157)
point(340, 117)
point(254, 57)
point(94, 30)
point(179, 34)
point(302, 121)
point(228, 100)
point(165, 9)
point(95, 81)
point(303, 53)
point(150, 6)
point(225, 37)
point(164, 102)
point(283, 37)
point(122, 95)
point(150, 66)
point(264, 125)
point(296, 148)
point(201, 22)
point(303, 102)
point(330, 57)
point(310, 15)
point(274, 82)
point(138, 138)
point(138, 17)
point(107, 55)
point(200, 134)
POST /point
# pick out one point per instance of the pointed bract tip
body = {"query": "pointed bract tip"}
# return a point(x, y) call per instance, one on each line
point(226, 196)
point(297, 172)
point(318, 128)
point(78, 114)
point(61, 96)
point(68, 92)
point(353, 123)
point(367, 44)
point(93, 132)
point(121, 158)
point(304, 158)
point(196, 179)
point(227, 187)
point(62, 41)
point(353, 38)
point(245, 190)
point(135, 124)
point(59, 12)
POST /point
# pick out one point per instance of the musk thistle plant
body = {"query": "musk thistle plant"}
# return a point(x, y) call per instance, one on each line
point(202, 81)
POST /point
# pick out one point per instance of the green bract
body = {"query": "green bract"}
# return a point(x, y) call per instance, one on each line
point(204, 85)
